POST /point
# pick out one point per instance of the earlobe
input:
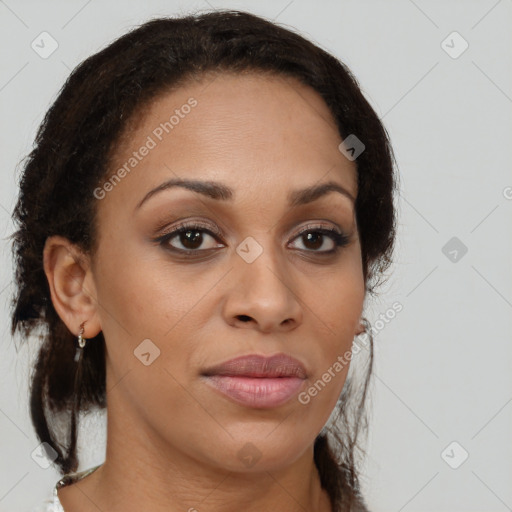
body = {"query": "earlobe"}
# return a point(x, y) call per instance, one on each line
point(361, 328)
point(72, 290)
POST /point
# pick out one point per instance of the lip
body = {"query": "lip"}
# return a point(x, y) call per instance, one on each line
point(255, 365)
point(258, 381)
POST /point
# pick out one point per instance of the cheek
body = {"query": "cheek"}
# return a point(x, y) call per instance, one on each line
point(147, 317)
point(337, 303)
point(337, 309)
point(147, 299)
point(143, 294)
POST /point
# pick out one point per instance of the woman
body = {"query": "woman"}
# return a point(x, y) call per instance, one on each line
point(208, 204)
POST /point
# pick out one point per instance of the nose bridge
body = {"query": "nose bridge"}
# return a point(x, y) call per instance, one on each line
point(259, 266)
point(262, 289)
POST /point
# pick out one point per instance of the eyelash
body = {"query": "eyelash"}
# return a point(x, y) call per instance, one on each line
point(340, 239)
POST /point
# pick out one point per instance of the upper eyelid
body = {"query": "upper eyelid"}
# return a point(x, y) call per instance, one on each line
point(326, 213)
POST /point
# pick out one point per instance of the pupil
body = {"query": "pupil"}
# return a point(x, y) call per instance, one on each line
point(191, 242)
point(314, 236)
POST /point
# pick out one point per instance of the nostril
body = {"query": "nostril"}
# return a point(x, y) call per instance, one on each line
point(244, 318)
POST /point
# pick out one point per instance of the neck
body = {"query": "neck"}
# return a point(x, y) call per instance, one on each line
point(139, 473)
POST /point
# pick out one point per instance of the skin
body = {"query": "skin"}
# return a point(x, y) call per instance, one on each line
point(174, 443)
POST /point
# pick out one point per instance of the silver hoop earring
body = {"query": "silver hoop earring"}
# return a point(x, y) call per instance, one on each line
point(81, 343)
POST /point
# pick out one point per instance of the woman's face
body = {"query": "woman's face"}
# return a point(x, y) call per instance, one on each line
point(249, 283)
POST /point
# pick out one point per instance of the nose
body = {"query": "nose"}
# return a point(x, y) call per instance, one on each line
point(262, 295)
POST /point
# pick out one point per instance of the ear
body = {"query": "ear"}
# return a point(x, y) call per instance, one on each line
point(72, 287)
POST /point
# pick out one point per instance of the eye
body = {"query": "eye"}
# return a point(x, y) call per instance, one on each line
point(190, 236)
point(313, 238)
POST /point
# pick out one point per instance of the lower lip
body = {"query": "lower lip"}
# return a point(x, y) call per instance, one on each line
point(257, 392)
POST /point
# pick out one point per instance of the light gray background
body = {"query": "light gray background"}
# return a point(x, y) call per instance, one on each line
point(443, 363)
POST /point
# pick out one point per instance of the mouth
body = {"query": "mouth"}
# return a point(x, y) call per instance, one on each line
point(256, 366)
point(257, 381)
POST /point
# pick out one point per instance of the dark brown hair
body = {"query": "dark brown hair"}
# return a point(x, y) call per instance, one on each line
point(71, 157)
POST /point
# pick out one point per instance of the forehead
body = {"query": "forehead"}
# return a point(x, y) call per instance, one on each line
point(248, 130)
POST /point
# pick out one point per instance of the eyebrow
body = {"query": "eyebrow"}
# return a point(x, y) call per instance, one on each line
point(221, 192)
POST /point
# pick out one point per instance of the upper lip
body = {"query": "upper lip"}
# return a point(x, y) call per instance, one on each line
point(254, 365)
